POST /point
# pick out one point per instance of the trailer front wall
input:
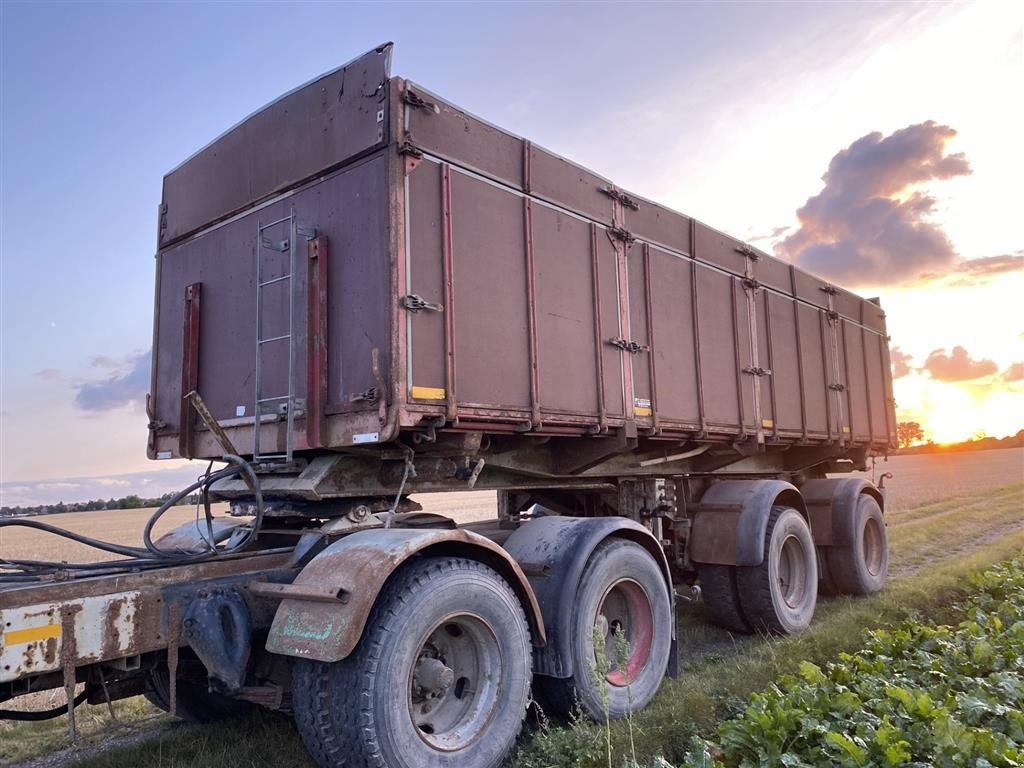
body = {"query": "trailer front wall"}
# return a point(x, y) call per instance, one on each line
point(349, 209)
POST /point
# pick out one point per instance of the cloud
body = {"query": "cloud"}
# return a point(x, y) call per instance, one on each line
point(129, 385)
point(957, 366)
point(1014, 373)
point(773, 235)
point(967, 272)
point(900, 363)
point(50, 374)
point(869, 225)
point(72, 489)
point(102, 361)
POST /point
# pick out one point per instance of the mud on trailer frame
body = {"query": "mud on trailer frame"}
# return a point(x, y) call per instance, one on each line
point(365, 292)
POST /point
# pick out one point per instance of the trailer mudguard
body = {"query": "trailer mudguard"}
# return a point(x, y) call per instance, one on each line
point(832, 505)
point(553, 552)
point(732, 517)
point(325, 609)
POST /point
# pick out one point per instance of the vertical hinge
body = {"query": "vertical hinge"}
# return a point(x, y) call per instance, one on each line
point(751, 283)
point(831, 290)
point(747, 251)
point(633, 347)
point(837, 387)
point(757, 371)
point(414, 303)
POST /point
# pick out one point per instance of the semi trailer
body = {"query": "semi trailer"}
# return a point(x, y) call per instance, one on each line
point(364, 294)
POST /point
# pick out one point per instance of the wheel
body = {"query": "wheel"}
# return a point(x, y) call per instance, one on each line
point(440, 677)
point(722, 598)
point(779, 595)
point(861, 569)
point(194, 703)
point(622, 592)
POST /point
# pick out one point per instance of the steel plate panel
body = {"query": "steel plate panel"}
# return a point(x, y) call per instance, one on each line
point(492, 356)
point(426, 278)
point(444, 129)
point(304, 133)
point(812, 346)
point(565, 311)
point(674, 355)
point(567, 184)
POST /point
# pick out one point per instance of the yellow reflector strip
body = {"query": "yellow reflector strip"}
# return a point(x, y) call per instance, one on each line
point(642, 411)
point(767, 423)
point(846, 429)
point(30, 635)
point(428, 393)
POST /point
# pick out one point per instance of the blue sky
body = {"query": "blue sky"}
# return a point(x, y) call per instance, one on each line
point(729, 112)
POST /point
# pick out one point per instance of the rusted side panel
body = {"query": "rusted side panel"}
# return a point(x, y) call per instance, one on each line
point(569, 185)
point(426, 280)
point(856, 365)
point(448, 132)
point(673, 351)
point(565, 311)
point(491, 332)
point(816, 392)
point(656, 224)
point(318, 126)
point(717, 347)
point(785, 363)
point(638, 332)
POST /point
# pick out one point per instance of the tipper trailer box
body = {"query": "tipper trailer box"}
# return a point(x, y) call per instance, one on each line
point(364, 292)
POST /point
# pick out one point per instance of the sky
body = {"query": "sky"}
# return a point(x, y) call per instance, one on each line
point(875, 144)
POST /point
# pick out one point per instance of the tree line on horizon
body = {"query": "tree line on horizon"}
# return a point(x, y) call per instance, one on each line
point(132, 501)
point(911, 439)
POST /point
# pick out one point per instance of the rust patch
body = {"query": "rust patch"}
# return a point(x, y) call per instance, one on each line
point(113, 645)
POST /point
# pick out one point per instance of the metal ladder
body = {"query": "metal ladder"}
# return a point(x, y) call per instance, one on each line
point(285, 404)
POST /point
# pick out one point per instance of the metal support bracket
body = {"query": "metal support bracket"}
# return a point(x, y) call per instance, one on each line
point(408, 148)
point(416, 101)
point(632, 347)
point(370, 395)
point(749, 252)
point(622, 234)
point(621, 197)
point(837, 387)
point(757, 371)
point(415, 303)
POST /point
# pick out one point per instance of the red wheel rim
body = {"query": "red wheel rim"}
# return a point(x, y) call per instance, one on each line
point(626, 607)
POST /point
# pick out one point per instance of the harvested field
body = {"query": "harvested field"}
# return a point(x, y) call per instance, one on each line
point(936, 535)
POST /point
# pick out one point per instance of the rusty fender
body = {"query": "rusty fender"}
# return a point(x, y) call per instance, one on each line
point(832, 504)
point(732, 518)
point(323, 611)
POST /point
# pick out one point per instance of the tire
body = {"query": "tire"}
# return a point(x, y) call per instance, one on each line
point(621, 587)
point(195, 704)
point(440, 677)
point(861, 569)
point(721, 596)
point(779, 595)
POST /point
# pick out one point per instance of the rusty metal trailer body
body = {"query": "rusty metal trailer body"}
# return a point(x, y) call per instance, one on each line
point(364, 292)
point(455, 275)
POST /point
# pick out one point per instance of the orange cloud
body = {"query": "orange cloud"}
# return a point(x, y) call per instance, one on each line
point(957, 366)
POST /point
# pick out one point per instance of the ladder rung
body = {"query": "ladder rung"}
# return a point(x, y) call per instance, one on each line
point(274, 223)
point(263, 456)
point(273, 399)
point(273, 338)
point(276, 280)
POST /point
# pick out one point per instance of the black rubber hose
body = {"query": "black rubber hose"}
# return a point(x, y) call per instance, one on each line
point(106, 546)
point(42, 714)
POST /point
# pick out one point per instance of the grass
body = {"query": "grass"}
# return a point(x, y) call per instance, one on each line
point(933, 548)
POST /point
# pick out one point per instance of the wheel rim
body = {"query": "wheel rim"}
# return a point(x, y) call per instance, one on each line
point(625, 607)
point(792, 575)
point(873, 547)
point(454, 682)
